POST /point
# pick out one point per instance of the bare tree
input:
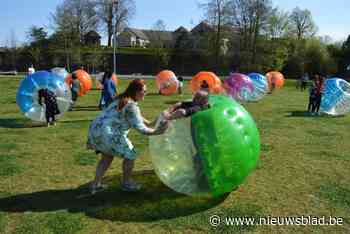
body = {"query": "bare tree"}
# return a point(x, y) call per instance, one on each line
point(250, 17)
point(161, 54)
point(76, 16)
point(158, 27)
point(71, 21)
point(117, 12)
point(36, 34)
point(13, 48)
point(216, 12)
point(302, 23)
point(13, 39)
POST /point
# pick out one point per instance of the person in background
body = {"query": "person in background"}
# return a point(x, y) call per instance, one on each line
point(304, 81)
point(109, 90)
point(31, 70)
point(51, 107)
point(75, 89)
point(181, 84)
point(319, 85)
point(312, 98)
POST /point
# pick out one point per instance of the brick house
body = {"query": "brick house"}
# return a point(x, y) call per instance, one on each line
point(92, 38)
point(132, 37)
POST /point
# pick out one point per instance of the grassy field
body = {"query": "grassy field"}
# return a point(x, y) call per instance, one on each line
point(44, 173)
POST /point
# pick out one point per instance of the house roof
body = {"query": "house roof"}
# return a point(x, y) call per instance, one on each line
point(137, 32)
point(154, 35)
point(93, 34)
point(202, 27)
point(181, 30)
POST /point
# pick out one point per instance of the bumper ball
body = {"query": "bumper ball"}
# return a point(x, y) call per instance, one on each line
point(215, 85)
point(260, 86)
point(167, 82)
point(209, 153)
point(239, 87)
point(275, 79)
point(60, 71)
point(336, 97)
point(85, 81)
point(27, 94)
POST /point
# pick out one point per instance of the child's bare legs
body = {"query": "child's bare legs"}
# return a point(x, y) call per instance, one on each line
point(128, 166)
point(101, 169)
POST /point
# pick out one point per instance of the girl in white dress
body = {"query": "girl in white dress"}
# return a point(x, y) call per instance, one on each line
point(108, 134)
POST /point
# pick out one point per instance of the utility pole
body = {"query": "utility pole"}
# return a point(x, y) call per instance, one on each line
point(114, 39)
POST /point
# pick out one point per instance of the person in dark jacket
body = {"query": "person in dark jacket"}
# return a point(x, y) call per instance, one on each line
point(51, 107)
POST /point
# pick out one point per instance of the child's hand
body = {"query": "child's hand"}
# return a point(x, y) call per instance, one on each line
point(166, 115)
point(162, 127)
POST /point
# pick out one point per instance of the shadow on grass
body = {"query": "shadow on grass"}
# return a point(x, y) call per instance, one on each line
point(153, 94)
point(299, 114)
point(75, 121)
point(308, 114)
point(95, 108)
point(20, 123)
point(171, 102)
point(154, 202)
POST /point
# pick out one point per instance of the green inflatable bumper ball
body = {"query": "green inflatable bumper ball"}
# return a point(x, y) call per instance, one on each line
point(211, 152)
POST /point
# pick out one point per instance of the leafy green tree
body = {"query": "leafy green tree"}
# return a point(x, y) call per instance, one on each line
point(278, 24)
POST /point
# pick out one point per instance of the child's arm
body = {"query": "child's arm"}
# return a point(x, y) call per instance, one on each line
point(179, 113)
point(147, 122)
point(40, 98)
point(173, 107)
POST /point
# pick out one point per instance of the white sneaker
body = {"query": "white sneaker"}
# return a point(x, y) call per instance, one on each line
point(131, 187)
point(97, 188)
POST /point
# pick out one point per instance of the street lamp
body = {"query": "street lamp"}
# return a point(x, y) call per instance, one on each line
point(114, 40)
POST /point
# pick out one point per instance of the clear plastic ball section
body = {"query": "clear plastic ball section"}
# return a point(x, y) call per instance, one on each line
point(261, 86)
point(336, 97)
point(210, 153)
point(62, 72)
point(27, 94)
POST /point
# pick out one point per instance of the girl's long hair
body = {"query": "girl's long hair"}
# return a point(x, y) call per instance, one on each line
point(134, 86)
point(106, 75)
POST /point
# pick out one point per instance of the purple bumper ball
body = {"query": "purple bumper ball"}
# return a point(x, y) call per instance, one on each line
point(239, 87)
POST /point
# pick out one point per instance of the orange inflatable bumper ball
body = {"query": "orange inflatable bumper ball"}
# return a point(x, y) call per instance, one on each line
point(206, 80)
point(85, 81)
point(275, 79)
point(167, 82)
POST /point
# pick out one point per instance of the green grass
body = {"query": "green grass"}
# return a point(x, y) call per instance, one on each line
point(54, 223)
point(9, 165)
point(45, 172)
point(3, 221)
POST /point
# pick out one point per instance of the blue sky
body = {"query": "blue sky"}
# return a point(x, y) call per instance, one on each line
point(16, 16)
